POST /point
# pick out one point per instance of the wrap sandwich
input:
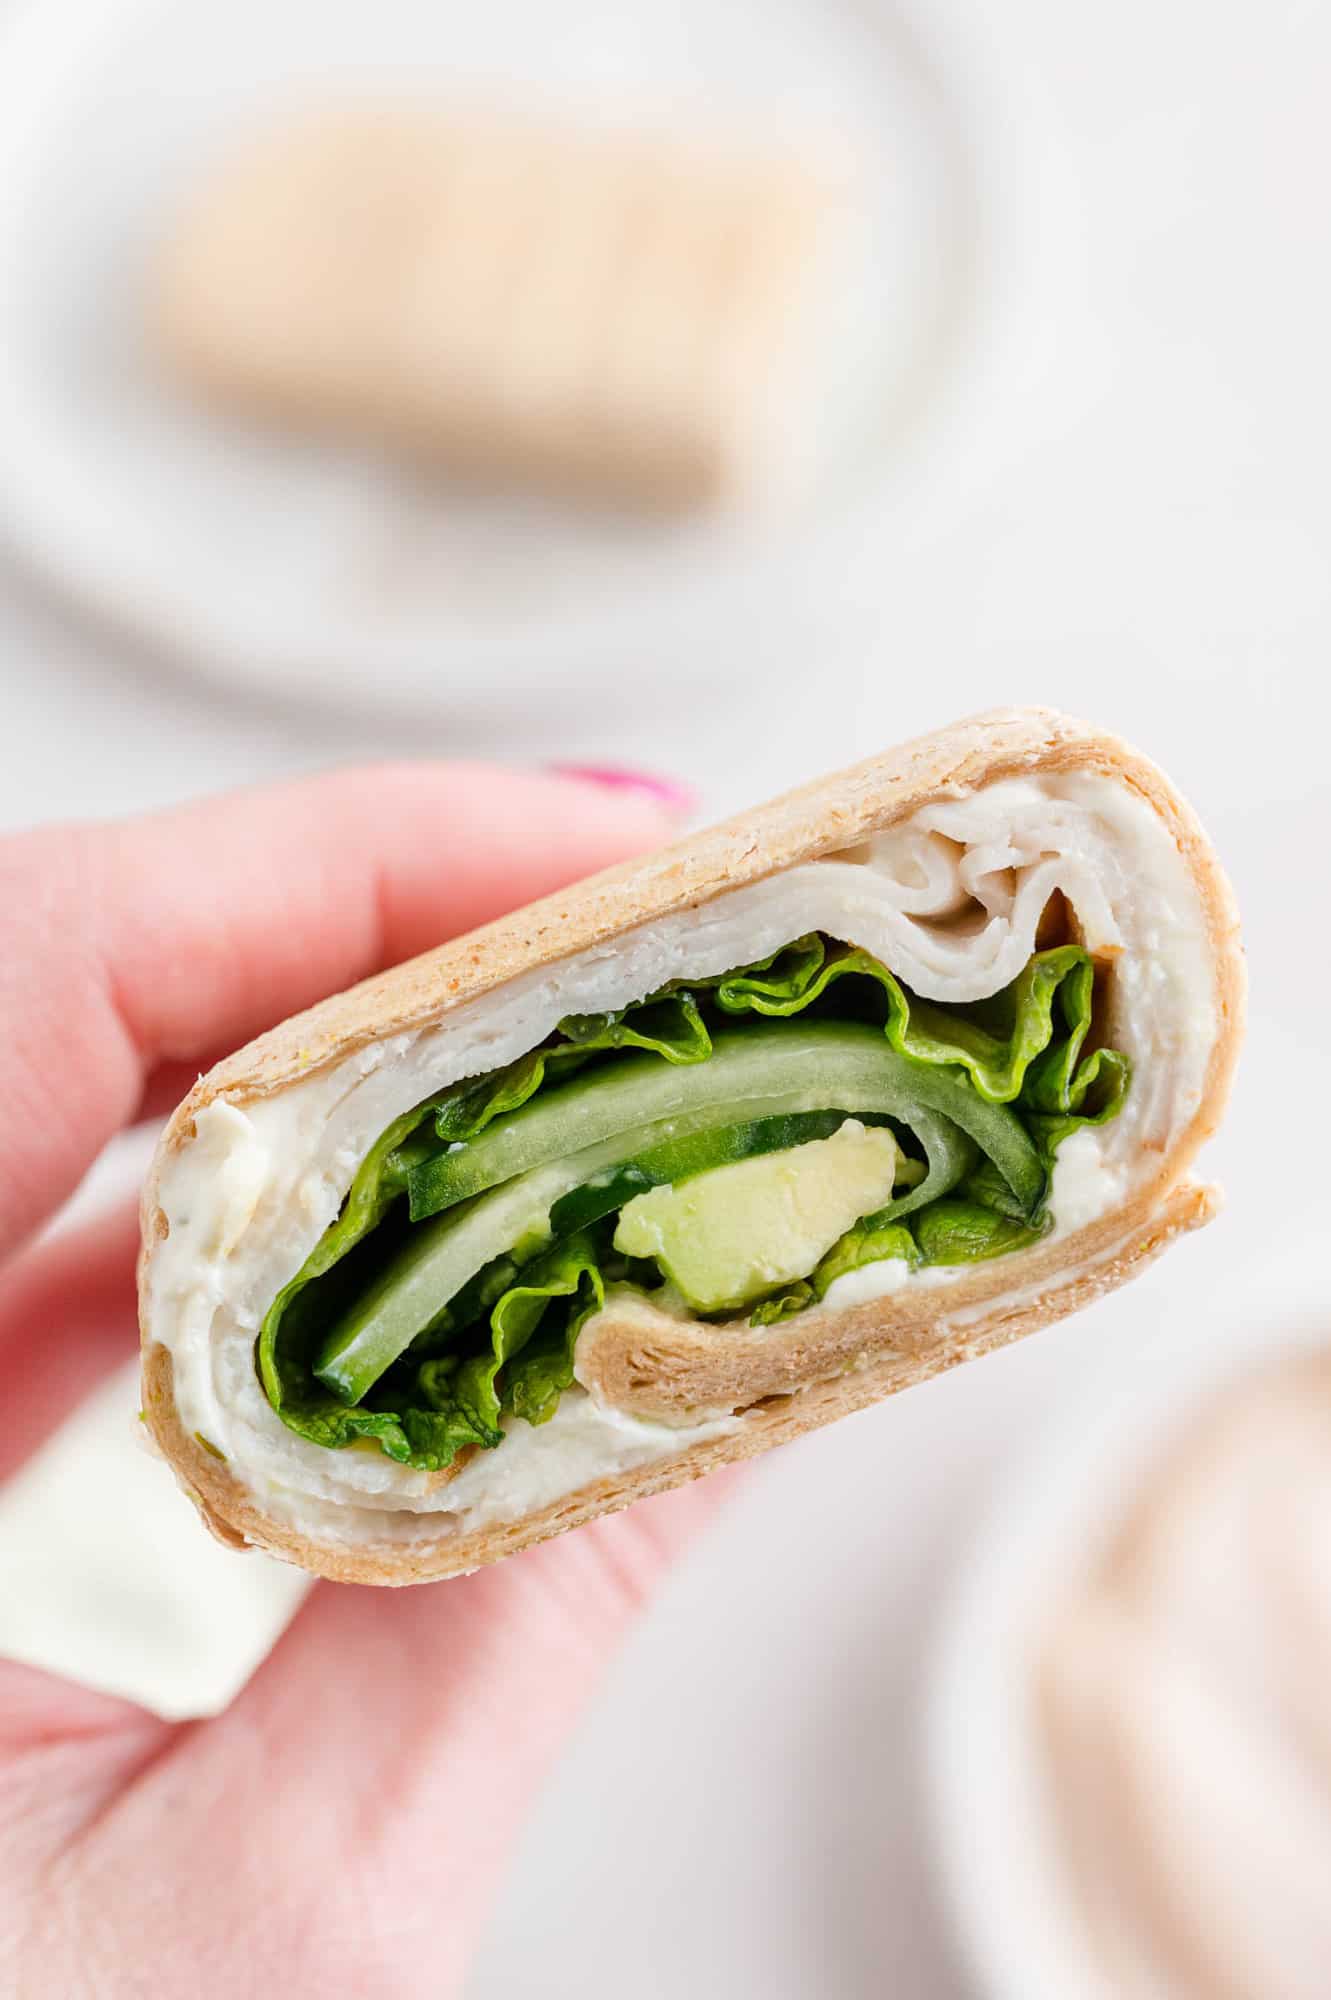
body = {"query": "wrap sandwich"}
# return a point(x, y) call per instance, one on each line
point(716, 1147)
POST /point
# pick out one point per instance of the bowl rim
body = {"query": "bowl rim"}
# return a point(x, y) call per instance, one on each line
point(991, 1836)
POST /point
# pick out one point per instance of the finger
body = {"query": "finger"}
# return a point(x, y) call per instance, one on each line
point(392, 1742)
point(356, 1800)
point(66, 1755)
point(354, 1804)
point(67, 1318)
point(134, 945)
point(62, 1747)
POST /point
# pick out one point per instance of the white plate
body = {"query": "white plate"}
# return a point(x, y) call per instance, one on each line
point(318, 573)
point(992, 1825)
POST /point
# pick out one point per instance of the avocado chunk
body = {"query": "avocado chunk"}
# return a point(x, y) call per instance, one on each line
point(731, 1235)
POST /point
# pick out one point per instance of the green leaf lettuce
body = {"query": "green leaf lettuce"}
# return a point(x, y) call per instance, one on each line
point(502, 1349)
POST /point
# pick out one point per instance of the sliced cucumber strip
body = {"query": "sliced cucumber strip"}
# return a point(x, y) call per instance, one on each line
point(438, 1259)
point(751, 1074)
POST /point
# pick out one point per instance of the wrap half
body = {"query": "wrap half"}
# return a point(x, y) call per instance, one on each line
point(711, 1149)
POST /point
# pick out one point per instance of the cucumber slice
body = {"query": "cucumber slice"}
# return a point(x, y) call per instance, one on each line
point(438, 1259)
point(950, 1157)
point(514, 1174)
point(682, 1159)
point(758, 1072)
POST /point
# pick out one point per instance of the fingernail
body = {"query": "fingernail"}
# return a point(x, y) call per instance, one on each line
point(677, 799)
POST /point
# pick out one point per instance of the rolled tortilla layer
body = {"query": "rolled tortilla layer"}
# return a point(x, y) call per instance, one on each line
point(942, 860)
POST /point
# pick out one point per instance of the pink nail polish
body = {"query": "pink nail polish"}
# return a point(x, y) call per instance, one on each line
point(676, 798)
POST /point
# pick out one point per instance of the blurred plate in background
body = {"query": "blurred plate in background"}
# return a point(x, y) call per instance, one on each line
point(317, 573)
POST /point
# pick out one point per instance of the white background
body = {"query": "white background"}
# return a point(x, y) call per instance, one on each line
point(1145, 538)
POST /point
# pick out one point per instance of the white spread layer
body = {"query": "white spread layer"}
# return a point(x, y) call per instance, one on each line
point(880, 1280)
point(950, 899)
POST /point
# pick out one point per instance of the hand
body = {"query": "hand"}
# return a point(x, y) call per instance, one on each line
point(340, 1828)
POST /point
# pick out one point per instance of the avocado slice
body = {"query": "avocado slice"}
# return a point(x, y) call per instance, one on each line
point(728, 1237)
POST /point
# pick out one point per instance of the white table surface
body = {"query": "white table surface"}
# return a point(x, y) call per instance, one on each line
point(1147, 540)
